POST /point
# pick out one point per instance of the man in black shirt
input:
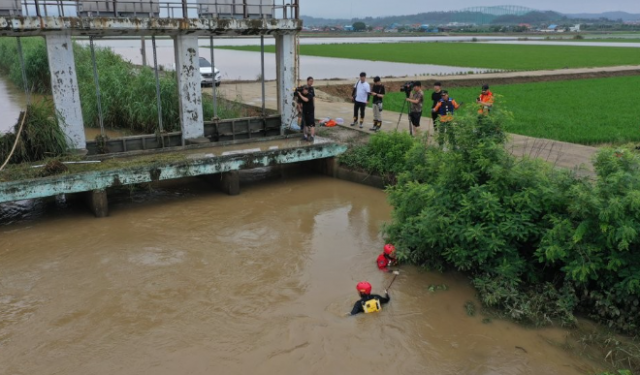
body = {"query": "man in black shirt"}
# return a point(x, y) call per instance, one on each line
point(308, 113)
point(377, 93)
point(312, 93)
point(368, 302)
point(435, 97)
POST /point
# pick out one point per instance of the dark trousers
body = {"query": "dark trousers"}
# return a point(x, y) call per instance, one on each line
point(434, 117)
point(358, 106)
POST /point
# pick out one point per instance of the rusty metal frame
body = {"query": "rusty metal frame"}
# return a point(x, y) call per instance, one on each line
point(290, 9)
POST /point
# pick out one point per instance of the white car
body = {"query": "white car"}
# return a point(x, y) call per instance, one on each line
point(206, 75)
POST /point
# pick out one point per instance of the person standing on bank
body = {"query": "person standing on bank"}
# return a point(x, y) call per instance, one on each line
point(416, 100)
point(378, 93)
point(436, 95)
point(361, 91)
point(299, 103)
point(308, 114)
point(485, 100)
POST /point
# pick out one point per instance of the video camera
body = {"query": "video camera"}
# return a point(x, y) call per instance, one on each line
point(297, 90)
point(407, 88)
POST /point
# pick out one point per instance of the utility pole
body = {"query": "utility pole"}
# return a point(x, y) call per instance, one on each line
point(143, 51)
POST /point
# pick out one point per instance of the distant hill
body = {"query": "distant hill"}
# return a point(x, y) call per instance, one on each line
point(532, 18)
point(610, 15)
point(314, 21)
point(442, 18)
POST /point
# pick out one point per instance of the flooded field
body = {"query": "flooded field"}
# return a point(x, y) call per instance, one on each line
point(186, 280)
point(242, 65)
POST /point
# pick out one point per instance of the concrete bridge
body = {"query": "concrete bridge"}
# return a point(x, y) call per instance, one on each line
point(202, 147)
point(219, 162)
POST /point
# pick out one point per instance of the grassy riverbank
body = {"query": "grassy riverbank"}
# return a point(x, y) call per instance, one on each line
point(477, 55)
point(539, 244)
point(590, 111)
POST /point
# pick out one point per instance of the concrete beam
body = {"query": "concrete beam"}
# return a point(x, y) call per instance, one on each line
point(160, 171)
point(64, 87)
point(189, 90)
point(97, 202)
point(286, 77)
point(138, 26)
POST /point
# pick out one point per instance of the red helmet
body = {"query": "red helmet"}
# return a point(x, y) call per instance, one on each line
point(389, 248)
point(364, 287)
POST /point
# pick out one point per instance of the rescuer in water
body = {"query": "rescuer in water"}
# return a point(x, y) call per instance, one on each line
point(368, 303)
point(387, 258)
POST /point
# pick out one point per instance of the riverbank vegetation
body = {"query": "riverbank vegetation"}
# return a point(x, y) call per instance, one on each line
point(570, 111)
point(540, 244)
point(477, 55)
point(40, 138)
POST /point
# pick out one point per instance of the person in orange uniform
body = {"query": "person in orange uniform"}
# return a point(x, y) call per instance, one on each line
point(387, 258)
point(445, 109)
point(485, 100)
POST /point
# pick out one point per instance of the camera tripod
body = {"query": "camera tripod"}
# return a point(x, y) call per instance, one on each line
point(408, 116)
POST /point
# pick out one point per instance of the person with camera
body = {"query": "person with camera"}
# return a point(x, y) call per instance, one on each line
point(416, 100)
point(299, 102)
point(485, 100)
point(436, 95)
point(305, 97)
point(378, 93)
point(360, 97)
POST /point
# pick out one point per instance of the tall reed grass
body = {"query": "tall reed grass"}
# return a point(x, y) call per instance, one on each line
point(128, 92)
point(41, 136)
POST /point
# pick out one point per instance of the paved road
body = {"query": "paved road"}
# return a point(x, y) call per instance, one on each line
point(563, 154)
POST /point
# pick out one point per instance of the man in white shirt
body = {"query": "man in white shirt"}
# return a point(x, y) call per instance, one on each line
point(361, 92)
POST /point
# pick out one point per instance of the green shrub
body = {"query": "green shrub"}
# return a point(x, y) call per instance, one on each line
point(384, 154)
point(538, 243)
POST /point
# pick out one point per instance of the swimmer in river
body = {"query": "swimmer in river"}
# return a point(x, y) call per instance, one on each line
point(387, 258)
point(368, 303)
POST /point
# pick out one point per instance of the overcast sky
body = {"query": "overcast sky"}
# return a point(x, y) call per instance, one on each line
point(375, 8)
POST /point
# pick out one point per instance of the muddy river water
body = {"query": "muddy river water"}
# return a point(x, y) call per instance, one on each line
point(186, 280)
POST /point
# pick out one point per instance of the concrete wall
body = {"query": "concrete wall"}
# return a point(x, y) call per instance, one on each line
point(286, 77)
point(64, 87)
point(189, 90)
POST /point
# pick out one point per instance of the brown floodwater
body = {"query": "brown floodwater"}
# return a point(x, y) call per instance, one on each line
point(182, 279)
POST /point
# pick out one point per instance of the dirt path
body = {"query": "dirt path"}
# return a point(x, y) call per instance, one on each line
point(328, 104)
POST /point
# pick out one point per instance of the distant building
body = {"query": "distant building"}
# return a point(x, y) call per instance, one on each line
point(575, 29)
point(347, 28)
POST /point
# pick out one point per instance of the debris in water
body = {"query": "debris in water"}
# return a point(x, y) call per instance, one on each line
point(434, 288)
point(470, 307)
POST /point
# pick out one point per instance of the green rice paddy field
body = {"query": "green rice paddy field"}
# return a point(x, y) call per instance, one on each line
point(478, 55)
point(590, 112)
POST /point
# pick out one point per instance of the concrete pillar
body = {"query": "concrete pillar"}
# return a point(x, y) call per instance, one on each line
point(286, 77)
point(326, 166)
point(230, 182)
point(97, 202)
point(64, 87)
point(189, 91)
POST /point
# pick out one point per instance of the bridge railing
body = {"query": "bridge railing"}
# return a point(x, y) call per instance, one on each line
point(243, 9)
